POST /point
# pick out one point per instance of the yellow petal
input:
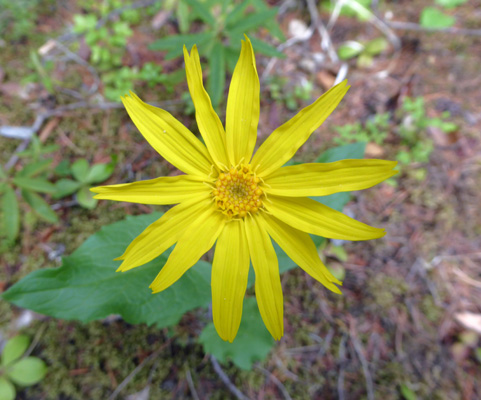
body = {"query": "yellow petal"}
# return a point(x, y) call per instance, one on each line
point(169, 137)
point(163, 190)
point(242, 114)
point(229, 279)
point(302, 250)
point(163, 233)
point(209, 123)
point(323, 179)
point(310, 216)
point(197, 239)
point(283, 143)
point(268, 282)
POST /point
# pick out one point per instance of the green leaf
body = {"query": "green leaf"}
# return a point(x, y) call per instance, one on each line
point(348, 151)
point(3, 175)
point(40, 206)
point(86, 286)
point(11, 213)
point(364, 60)
point(34, 168)
point(100, 172)
point(349, 50)
point(253, 342)
point(65, 187)
point(86, 198)
point(182, 15)
point(236, 14)
point(34, 184)
point(407, 393)
point(178, 41)
point(450, 3)
point(216, 81)
point(433, 18)
point(80, 169)
point(7, 390)
point(27, 371)
point(270, 25)
point(376, 46)
point(14, 349)
point(251, 21)
point(202, 11)
point(63, 168)
point(265, 48)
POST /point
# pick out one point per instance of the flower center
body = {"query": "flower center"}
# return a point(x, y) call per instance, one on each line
point(237, 192)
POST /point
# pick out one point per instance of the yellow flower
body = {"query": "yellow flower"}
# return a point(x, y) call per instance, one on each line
point(238, 200)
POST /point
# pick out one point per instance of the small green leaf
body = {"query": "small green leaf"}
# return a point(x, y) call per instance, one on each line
point(251, 21)
point(27, 371)
point(11, 213)
point(178, 41)
point(65, 187)
point(85, 198)
point(216, 81)
point(265, 48)
point(202, 11)
point(433, 18)
point(236, 14)
point(376, 46)
point(40, 206)
point(364, 60)
point(253, 342)
point(339, 252)
point(349, 50)
point(86, 286)
point(450, 3)
point(63, 168)
point(80, 169)
point(34, 184)
point(7, 390)
point(100, 172)
point(34, 168)
point(407, 393)
point(14, 349)
point(182, 14)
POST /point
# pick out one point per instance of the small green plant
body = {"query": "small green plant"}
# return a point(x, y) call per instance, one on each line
point(30, 180)
point(289, 97)
point(84, 176)
point(17, 367)
point(107, 42)
point(414, 144)
point(375, 129)
point(17, 18)
point(432, 17)
point(365, 52)
point(417, 146)
point(224, 24)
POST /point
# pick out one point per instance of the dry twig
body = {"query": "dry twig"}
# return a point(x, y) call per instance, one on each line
point(224, 378)
point(275, 381)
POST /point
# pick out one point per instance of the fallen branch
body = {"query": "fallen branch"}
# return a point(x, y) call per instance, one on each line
point(411, 26)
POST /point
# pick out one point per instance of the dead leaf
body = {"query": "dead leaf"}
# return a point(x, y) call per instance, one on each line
point(470, 321)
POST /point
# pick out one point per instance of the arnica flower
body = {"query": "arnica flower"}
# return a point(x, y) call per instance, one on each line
point(238, 200)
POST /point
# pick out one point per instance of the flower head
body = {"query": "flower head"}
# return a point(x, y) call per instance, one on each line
point(238, 200)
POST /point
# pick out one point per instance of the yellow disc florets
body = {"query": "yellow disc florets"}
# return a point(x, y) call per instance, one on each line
point(237, 192)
